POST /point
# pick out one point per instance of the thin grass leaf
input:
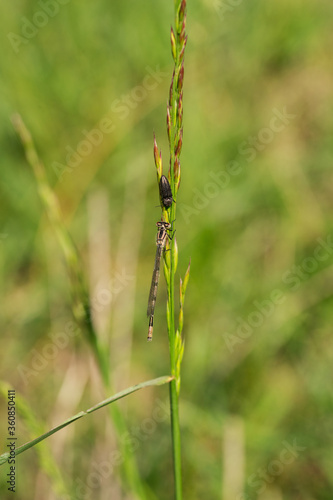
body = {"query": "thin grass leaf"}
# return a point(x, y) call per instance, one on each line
point(80, 301)
point(80, 297)
point(157, 381)
point(174, 253)
point(186, 278)
point(182, 291)
point(179, 353)
point(46, 458)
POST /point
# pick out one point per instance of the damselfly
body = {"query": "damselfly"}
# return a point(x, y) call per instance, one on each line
point(161, 238)
point(165, 192)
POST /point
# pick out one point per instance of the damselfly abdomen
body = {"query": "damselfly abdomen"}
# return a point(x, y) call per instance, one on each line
point(161, 238)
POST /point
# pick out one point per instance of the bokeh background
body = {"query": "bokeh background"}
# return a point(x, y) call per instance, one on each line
point(255, 201)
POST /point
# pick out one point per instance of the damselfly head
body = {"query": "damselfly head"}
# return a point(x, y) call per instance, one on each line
point(164, 224)
point(165, 192)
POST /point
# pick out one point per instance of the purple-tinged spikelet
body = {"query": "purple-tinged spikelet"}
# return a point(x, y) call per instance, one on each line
point(180, 79)
point(158, 159)
point(173, 45)
point(169, 124)
point(179, 143)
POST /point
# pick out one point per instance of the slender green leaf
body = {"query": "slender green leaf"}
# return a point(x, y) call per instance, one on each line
point(157, 381)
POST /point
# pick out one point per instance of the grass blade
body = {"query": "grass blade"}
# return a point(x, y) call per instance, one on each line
point(156, 381)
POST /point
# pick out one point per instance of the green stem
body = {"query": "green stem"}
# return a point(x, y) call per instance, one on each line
point(173, 394)
point(175, 432)
point(174, 412)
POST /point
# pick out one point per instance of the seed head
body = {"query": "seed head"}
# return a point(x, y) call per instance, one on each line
point(182, 31)
point(180, 15)
point(176, 173)
point(173, 45)
point(171, 89)
point(158, 159)
point(169, 123)
point(180, 79)
point(182, 50)
point(180, 110)
point(179, 144)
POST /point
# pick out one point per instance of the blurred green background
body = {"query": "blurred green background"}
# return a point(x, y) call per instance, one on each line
point(255, 200)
